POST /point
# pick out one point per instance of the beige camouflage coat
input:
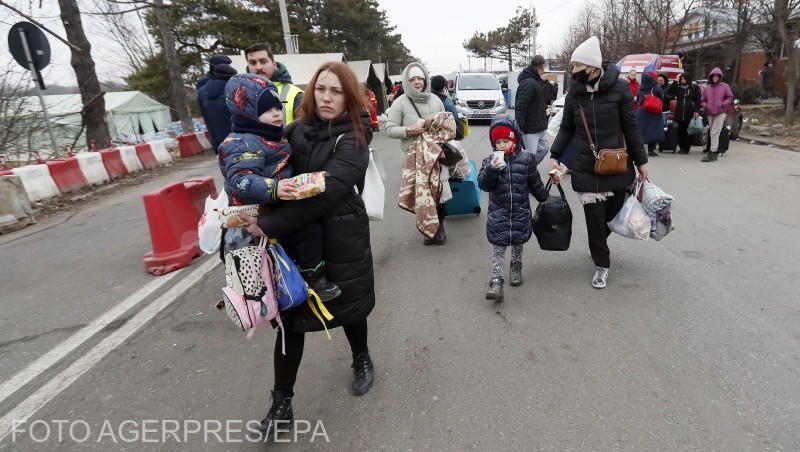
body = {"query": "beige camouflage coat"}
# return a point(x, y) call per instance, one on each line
point(421, 184)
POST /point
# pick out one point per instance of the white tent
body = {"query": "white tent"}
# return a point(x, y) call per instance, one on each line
point(365, 73)
point(301, 66)
point(127, 113)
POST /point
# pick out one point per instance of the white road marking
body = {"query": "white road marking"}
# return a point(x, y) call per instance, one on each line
point(47, 360)
point(22, 412)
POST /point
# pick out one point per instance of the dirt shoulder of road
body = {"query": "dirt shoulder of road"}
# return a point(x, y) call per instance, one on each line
point(763, 124)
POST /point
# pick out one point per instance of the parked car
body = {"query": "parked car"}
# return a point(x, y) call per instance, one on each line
point(734, 117)
point(478, 95)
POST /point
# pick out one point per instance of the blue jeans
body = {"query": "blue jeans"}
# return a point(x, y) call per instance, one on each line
point(536, 143)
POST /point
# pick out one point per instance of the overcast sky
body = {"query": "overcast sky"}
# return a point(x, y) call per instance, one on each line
point(433, 30)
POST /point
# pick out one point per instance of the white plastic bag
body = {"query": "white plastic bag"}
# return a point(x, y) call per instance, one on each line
point(632, 221)
point(209, 227)
point(374, 192)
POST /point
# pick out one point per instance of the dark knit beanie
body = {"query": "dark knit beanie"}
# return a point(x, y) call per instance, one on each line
point(267, 100)
point(438, 83)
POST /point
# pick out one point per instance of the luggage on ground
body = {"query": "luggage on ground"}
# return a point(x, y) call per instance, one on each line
point(670, 137)
point(724, 140)
point(466, 194)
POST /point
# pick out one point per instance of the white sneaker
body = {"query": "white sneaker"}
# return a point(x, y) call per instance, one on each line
point(600, 278)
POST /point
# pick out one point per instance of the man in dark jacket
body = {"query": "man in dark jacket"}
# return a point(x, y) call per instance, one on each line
point(211, 98)
point(260, 60)
point(533, 96)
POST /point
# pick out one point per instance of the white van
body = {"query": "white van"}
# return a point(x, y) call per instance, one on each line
point(478, 95)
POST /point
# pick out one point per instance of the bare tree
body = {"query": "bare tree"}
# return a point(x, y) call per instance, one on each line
point(784, 10)
point(125, 27)
point(94, 105)
point(13, 115)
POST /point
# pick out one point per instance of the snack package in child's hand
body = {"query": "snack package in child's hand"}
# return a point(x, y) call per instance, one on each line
point(230, 215)
point(309, 184)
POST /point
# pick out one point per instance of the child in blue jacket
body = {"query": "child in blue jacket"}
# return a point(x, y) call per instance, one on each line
point(254, 159)
point(509, 174)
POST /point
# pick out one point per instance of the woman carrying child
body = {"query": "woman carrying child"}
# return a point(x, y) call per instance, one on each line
point(332, 135)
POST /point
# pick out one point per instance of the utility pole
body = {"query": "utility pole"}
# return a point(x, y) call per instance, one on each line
point(534, 28)
point(287, 34)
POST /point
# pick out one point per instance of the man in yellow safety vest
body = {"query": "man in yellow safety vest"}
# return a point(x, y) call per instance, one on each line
point(261, 61)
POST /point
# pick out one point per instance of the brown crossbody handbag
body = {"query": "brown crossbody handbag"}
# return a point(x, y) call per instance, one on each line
point(607, 161)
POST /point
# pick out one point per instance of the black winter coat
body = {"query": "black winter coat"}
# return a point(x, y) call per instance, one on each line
point(347, 252)
point(211, 98)
point(687, 101)
point(509, 220)
point(609, 114)
point(530, 104)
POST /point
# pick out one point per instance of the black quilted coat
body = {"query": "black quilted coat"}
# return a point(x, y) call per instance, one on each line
point(609, 114)
point(509, 219)
point(346, 250)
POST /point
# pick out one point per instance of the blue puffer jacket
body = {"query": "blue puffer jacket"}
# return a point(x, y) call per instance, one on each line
point(252, 163)
point(509, 219)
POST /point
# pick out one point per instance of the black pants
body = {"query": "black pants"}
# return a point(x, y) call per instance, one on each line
point(684, 140)
point(305, 246)
point(597, 215)
point(286, 366)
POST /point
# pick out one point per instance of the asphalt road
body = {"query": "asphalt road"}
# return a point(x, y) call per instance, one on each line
point(695, 344)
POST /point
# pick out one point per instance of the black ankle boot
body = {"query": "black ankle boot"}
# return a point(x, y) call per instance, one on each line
point(363, 373)
point(318, 282)
point(279, 416)
point(441, 237)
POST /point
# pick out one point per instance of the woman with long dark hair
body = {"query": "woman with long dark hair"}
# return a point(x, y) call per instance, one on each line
point(332, 135)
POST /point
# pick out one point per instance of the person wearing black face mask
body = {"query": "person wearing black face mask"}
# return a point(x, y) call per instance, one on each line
point(607, 105)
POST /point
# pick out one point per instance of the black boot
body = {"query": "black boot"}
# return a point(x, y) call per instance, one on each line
point(494, 289)
point(516, 273)
point(441, 237)
point(710, 157)
point(318, 282)
point(652, 153)
point(363, 373)
point(279, 416)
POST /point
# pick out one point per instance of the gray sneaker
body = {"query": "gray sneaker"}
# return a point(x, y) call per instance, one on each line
point(600, 278)
point(494, 289)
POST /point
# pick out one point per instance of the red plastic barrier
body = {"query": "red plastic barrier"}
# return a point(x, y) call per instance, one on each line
point(112, 160)
point(189, 145)
point(199, 190)
point(146, 156)
point(208, 135)
point(173, 229)
point(67, 174)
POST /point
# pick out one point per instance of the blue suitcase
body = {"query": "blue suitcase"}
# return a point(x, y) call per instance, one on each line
point(466, 195)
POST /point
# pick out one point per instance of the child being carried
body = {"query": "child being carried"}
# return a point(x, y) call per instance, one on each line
point(254, 159)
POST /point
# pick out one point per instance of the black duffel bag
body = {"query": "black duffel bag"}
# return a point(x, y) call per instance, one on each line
point(552, 222)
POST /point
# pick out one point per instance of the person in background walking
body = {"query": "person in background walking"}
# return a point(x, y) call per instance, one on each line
point(663, 83)
point(439, 88)
point(687, 106)
point(633, 84)
point(715, 100)
point(211, 98)
point(533, 97)
point(651, 125)
point(406, 117)
point(332, 135)
point(510, 176)
point(607, 105)
point(260, 60)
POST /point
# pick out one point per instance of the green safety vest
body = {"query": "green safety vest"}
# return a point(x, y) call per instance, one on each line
point(288, 93)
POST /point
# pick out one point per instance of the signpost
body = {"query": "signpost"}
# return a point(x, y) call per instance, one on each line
point(30, 48)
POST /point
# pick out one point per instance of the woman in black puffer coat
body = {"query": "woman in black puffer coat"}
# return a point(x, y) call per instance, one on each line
point(607, 103)
point(509, 221)
point(687, 106)
point(333, 135)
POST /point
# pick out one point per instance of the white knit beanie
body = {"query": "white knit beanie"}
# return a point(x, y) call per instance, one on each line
point(588, 53)
point(415, 71)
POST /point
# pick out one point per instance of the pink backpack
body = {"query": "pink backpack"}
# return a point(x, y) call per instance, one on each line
point(248, 274)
